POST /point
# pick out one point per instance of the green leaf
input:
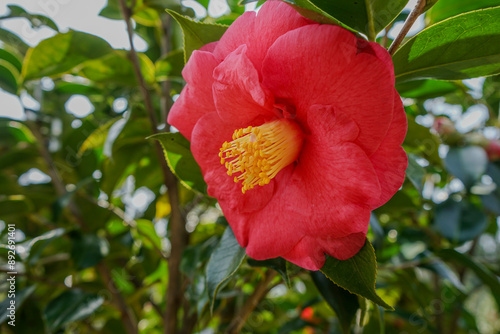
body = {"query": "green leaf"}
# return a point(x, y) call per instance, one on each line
point(12, 56)
point(88, 250)
point(279, 264)
point(462, 47)
point(425, 89)
point(70, 306)
point(357, 274)
point(36, 20)
point(344, 303)
point(47, 236)
point(482, 272)
point(116, 68)
point(181, 161)
point(422, 142)
point(444, 9)
point(368, 17)
point(169, 66)
point(467, 163)
point(415, 172)
point(147, 234)
point(14, 205)
point(19, 300)
point(223, 263)
point(61, 53)
point(196, 34)
point(9, 77)
point(459, 221)
point(13, 40)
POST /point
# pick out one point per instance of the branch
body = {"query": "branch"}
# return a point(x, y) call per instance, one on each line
point(410, 20)
point(179, 236)
point(259, 293)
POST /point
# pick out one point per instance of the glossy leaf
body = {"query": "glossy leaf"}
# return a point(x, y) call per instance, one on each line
point(169, 66)
point(465, 46)
point(12, 39)
point(444, 9)
point(344, 303)
point(88, 250)
point(223, 263)
point(196, 34)
point(357, 274)
point(422, 142)
point(459, 221)
point(425, 89)
point(61, 53)
point(12, 56)
point(69, 306)
point(467, 163)
point(368, 17)
point(415, 172)
point(181, 161)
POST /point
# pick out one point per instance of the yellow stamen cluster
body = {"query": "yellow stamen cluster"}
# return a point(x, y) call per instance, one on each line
point(257, 154)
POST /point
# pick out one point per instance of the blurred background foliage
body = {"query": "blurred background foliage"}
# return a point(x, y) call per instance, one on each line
point(97, 214)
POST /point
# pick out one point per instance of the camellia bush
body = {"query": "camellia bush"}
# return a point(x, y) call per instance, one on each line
point(304, 167)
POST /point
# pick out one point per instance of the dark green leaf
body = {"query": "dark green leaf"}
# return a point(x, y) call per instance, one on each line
point(357, 274)
point(465, 46)
point(181, 161)
point(279, 264)
point(61, 53)
point(422, 142)
point(467, 163)
point(88, 250)
point(14, 205)
point(482, 272)
point(444, 9)
point(12, 56)
point(9, 77)
point(344, 304)
point(147, 234)
point(70, 306)
point(19, 299)
point(459, 221)
point(223, 263)
point(36, 20)
point(197, 34)
point(368, 17)
point(425, 89)
point(47, 236)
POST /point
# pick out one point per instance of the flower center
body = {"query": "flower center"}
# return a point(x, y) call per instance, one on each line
point(257, 154)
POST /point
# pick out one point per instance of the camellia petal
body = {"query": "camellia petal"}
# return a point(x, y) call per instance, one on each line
point(239, 96)
point(258, 32)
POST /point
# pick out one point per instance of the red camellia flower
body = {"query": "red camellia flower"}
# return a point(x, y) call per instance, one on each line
point(297, 128)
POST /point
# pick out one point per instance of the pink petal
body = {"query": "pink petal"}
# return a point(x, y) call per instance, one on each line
point(238, 95)
point(320, 64)
point(390, 160)
point(259, 31)
point(196, 98)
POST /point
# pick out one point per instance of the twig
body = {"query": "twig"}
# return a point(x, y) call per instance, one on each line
point(127, 316)
point(410, 20)
point(179, 235)
point(260, 291)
